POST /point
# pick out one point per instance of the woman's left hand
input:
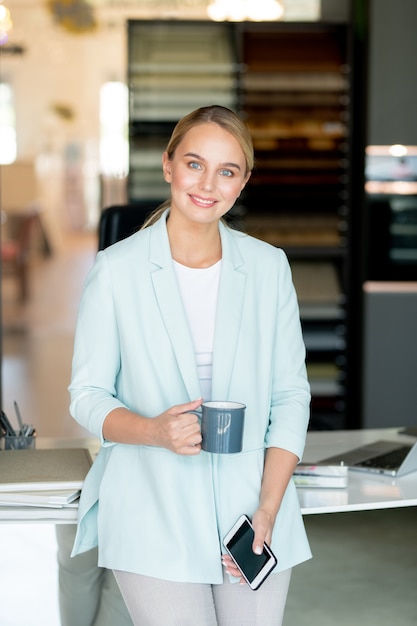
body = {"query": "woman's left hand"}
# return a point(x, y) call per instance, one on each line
point(232, 569)
point(263, 525)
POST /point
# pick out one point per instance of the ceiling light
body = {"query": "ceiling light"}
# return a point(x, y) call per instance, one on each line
point(398, 150)
point(5, 23)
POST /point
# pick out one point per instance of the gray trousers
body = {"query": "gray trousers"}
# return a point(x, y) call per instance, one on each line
point(88, 594)
point(153, 602)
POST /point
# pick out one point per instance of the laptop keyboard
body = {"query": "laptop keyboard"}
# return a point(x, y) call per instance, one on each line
point(389, 460)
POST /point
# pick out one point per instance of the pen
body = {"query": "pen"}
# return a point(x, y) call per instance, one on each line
point(19, 417)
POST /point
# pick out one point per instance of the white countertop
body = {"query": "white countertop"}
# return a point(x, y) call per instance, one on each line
point(365, 491)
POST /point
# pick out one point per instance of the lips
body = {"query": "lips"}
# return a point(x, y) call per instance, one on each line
point(203, 202)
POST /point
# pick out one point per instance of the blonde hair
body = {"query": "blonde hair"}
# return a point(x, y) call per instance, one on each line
point(223, 117)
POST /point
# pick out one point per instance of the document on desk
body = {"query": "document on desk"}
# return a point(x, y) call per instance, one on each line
point(50, 515)
point(53, 499)
point(324, 476)
point(43, 470)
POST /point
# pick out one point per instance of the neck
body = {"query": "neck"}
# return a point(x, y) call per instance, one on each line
point(197, 245)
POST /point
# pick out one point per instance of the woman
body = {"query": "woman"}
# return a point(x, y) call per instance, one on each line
point(187, 309)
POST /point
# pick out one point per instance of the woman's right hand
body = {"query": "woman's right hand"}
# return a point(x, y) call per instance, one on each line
point(177, 430)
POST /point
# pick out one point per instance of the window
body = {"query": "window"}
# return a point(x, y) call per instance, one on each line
point(114, 145)
point(7, 125)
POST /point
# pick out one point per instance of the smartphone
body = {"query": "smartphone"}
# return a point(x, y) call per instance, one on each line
point(238, 543)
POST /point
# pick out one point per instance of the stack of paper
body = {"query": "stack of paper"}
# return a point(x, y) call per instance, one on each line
point(42, 478)
point(324, 476)
point(48, 498)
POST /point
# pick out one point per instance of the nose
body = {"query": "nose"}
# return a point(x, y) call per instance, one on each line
point(207, 181)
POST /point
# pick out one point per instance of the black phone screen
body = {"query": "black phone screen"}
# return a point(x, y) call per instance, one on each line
point(240, 545)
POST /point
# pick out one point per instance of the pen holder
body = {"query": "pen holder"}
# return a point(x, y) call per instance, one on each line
point(18, 442)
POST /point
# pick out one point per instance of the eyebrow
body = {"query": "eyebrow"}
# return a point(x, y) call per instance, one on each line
point(200, 158)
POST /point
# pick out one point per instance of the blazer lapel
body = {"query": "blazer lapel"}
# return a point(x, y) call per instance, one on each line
point(229, 313)
point(172, 308)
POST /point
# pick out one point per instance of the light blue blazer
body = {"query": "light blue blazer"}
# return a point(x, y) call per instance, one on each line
point(149, 510)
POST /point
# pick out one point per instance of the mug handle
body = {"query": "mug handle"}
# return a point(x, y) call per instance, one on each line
point(220, 429)
point(198, 413)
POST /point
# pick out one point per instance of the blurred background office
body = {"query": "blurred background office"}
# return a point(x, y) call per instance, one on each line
point(331, 104)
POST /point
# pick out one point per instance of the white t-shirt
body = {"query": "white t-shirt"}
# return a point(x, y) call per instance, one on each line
point(199, 289)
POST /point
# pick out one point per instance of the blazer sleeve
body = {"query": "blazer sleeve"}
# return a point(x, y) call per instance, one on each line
point(96, 357)
point(290, 398)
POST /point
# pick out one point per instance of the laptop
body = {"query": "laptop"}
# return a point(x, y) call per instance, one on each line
point(391, 458)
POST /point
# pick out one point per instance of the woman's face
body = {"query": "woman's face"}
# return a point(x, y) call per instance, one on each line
point(206, 173)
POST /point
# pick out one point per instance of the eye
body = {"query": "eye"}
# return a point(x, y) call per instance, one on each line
point(226, 172)
point(194, 165)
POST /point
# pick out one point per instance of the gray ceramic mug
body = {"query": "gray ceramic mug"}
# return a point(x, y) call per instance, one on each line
point(221, 426)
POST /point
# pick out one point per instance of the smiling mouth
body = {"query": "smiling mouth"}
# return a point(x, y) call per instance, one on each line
point(203, 201)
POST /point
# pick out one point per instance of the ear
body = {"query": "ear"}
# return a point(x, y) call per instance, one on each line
point(166, 167)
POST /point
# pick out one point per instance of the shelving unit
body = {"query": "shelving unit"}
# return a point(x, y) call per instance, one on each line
point(293, 85)
point(295, 97)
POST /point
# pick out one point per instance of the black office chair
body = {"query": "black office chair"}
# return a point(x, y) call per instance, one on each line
point(119, 221)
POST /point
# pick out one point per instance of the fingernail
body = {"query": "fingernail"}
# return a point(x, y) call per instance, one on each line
point(258, 550)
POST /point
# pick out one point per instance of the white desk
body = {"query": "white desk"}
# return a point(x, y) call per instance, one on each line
point(364, 491)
